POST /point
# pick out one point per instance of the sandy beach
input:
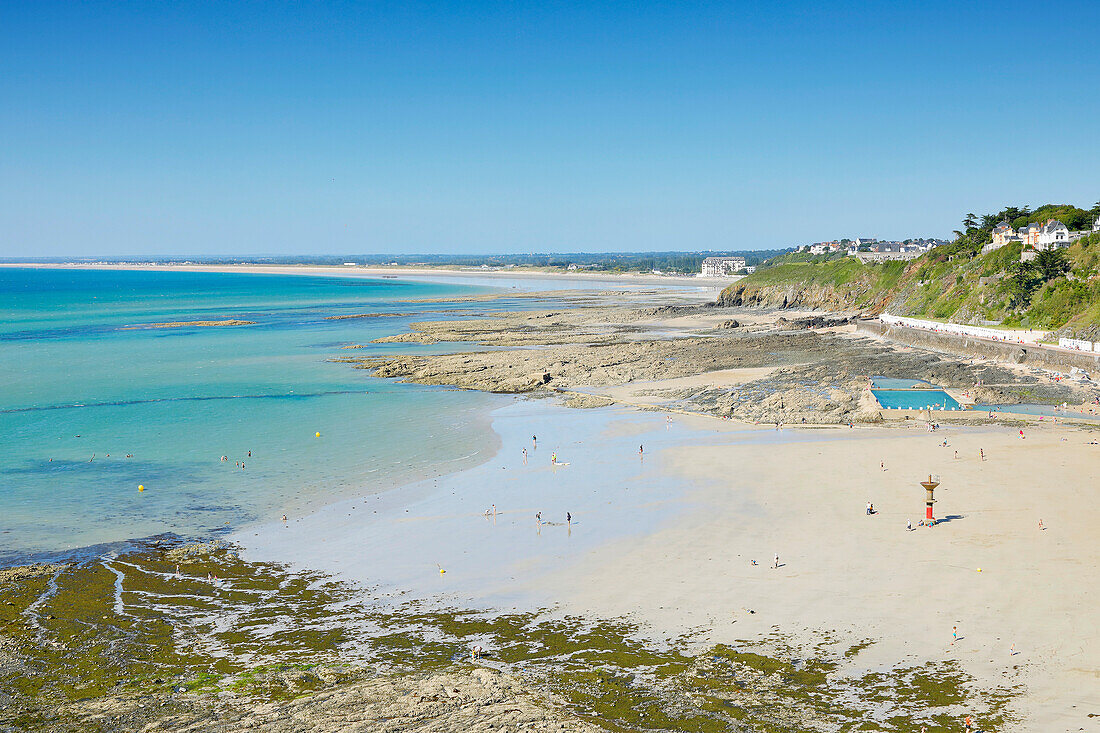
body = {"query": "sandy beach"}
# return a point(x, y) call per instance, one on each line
point(1021, 617)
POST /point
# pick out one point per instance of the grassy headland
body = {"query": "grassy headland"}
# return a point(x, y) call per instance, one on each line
point(955, 282)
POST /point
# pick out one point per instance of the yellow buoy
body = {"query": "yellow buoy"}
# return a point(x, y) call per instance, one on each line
point(317, 435)
point(979, 570)
point(141, 487)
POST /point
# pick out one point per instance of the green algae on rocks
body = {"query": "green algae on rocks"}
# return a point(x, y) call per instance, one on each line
point(124, 638)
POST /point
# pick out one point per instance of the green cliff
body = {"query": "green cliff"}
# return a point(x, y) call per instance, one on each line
point(1058, 290)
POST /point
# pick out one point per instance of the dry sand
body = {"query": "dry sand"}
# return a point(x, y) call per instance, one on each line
point(867, 577)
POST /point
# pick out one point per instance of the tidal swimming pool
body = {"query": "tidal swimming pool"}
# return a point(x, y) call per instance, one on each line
point(915, 399)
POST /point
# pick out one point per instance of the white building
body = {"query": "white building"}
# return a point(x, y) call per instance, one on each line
point(1054, 234)
point(1096, 225)
point(722, 266)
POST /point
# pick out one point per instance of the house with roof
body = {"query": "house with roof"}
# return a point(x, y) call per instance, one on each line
point(1096, 225)
point(1003, 234)
point(1030, 233)
point(1048, 235)
point(1052, 235)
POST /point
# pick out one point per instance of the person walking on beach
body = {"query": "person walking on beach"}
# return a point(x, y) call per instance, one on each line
point(909, 524)
point(882, 465)
point(954, 634)
point(981, 454)
point(1041, 524)
point(284, 519)
point(968, 724)
point(776, 560)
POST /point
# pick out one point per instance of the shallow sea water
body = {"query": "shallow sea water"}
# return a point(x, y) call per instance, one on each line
point(85, 382)
point(394, 544)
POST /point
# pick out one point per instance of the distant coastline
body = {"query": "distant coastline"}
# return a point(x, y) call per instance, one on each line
point(396, 271)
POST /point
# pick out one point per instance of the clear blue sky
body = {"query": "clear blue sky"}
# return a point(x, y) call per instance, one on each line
point(299, 127)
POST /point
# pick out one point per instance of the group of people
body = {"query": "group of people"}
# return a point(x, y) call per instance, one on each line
point(239, 464)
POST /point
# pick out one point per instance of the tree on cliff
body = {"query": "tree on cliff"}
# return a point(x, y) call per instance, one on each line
point(1051, 263)
point(1023, 279)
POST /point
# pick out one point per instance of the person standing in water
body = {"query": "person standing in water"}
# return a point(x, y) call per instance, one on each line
point(534, 442)
point(641, 450)
point(569, 519)
point(525, 456)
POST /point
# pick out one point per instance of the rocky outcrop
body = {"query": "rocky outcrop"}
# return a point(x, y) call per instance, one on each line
point(810, 322)
point(591, 365)
point(747, 293)
point(474, 700)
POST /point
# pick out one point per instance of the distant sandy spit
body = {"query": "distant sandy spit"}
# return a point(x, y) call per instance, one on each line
point(357, 271)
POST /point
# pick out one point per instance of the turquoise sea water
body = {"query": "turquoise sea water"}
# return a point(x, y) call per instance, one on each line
point(84, 382)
